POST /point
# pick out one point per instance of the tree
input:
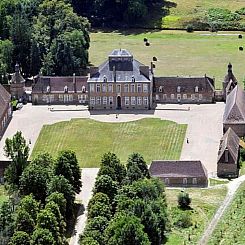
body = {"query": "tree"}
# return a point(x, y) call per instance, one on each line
point(17, 150)
point(42, 237)
point(125, 229)
point(111, 166)
point(20, 238)
point(184, 200)
point(88, 241)
point(67, 166)
point(34, 179)
point(59, 199)
point(99, 209)
point(24, 222)
point(106, 185)
point(44, 160)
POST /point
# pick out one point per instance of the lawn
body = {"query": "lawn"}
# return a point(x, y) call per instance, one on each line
point(178, 52)
point(231, 229)
point(203, 206)
point(183, 11)
point(90, 139)
point(3, 194)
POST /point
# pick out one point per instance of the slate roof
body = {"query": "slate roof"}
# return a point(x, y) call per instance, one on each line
point(5, 98)
point(17, 77)
point(181, 169)
point(235, 106)
point(187, 84)
point(57, 84)
point(229, 141)
point(126, 68)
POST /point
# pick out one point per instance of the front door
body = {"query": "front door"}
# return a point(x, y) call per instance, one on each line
point(119, 102)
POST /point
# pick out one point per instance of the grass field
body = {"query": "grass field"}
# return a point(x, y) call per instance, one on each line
point(178, 52)
point(183, 11)
point(204, 204)
point(231, 229)
point(153, 138)
point(3, 194)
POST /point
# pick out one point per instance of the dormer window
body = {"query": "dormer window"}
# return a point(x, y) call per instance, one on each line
point(104, 79)
point(160, 89)
point(48, 89)
point(196, 89)
point(178, 89)
point(83, 89)
point(133, 79)
point(65, 89)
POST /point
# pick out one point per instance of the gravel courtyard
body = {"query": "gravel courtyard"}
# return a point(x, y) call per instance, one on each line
point(204, 125)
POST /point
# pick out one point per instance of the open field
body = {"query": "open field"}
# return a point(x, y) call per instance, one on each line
point(3, 194)
point(204, 204)
point(183, 11)
point(231, 229)
point(178, 52)
point(153, 138)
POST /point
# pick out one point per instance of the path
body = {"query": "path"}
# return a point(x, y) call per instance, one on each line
point(88, 180)
point(232, 188)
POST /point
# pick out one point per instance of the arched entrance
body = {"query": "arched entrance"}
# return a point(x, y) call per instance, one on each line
point(119, 102)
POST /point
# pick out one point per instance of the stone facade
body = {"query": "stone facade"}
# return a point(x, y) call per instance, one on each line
point(17, 84)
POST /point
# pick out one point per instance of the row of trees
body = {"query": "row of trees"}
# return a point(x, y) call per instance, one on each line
point(42, 195)
point(128, 206)
point(44, 35)
point(115, 12)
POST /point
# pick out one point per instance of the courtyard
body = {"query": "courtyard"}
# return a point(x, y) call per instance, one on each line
point(204, 129)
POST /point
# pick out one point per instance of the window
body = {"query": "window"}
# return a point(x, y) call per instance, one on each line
point(145, 100)
point(185, 96)
point(91, 87)
point(110, 88)
point(66, 98)
point(44, 98)
point(133, 100)
point(194, 181)
point(133, 79)
point(164, 96)
point(178, 97)
point(145, 88)
point(196, 89)
point(193, 96)
point(104, 79)
point(126, 88)
point(92, 100)
point(83, 89)
point(51, 98)
point(172, 96)
point(98, 89)
point(111, 100)
point(104, 100)
point(200, 96)
point(160, 89)
point(70, 97)
point(139, 90)
point(166, 181)
point(118, 88)
point(139, 100)
point(185, 181)
point(132, 88)
point(126, 100)
point(104, 88)
point(65, 89)
point(157, 97)
point(60, 97)
point(178, 89)
point(98, 100)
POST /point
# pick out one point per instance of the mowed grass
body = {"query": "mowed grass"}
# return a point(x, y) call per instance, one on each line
point(90, 139)
point(231, 229)
point(187, 10)
point(204, 204)
point(3, 194)
point(179, 53)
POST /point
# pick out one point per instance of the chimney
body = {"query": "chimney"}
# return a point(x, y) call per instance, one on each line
point(74, 82)
point(93, 70)
point(114, 74)
point(144, 70)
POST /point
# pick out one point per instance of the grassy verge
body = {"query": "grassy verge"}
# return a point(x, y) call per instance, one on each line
point(3, 194)
point(203, 206)
point(90, 139)
point(231, 229)
point(213, 182)
point(179, 53)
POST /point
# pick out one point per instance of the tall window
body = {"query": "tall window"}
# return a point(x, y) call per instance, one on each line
point(92, 100)
point(200, 96)
point(98, 89)
point(91, 87)
point(98, 100)
point(196, 89)
point(133, 100)
point(185, 181)
point(194, 181)
point(164, 96)
point(118, 88)
point(110, 88)
point(60, 97)
point(178, 89)
point(184, 96)
point(157, 97)
point(111, 100)
point(172, 96)
point(104, 88)
point(126, 100)
point(139, 100)
point(132, 88)
point(193, 96)
point(70, 97)
point(104, 100)
point(145, 100)
point(126, 88)
point(166, 181)
point(145, 88)
point(139, 89)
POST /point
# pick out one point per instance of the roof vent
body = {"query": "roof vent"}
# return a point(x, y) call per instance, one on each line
point(104, 79)
point(65, 89)
point(48, 89)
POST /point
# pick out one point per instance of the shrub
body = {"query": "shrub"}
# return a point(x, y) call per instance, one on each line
point(189, 28)
point(184, 200)
point(184, 220)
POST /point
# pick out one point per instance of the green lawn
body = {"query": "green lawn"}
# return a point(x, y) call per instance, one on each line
point(90, 139)
point(204, 204)
point(178, 52)
point(3, 194)
point(231, 229)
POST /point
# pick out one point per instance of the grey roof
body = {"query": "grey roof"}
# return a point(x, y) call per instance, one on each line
point(120, 53)
point(17, 78)
point(160, 168)
point(235, 106)
point(57, 84)
point(229, 141)
point(5, 98)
